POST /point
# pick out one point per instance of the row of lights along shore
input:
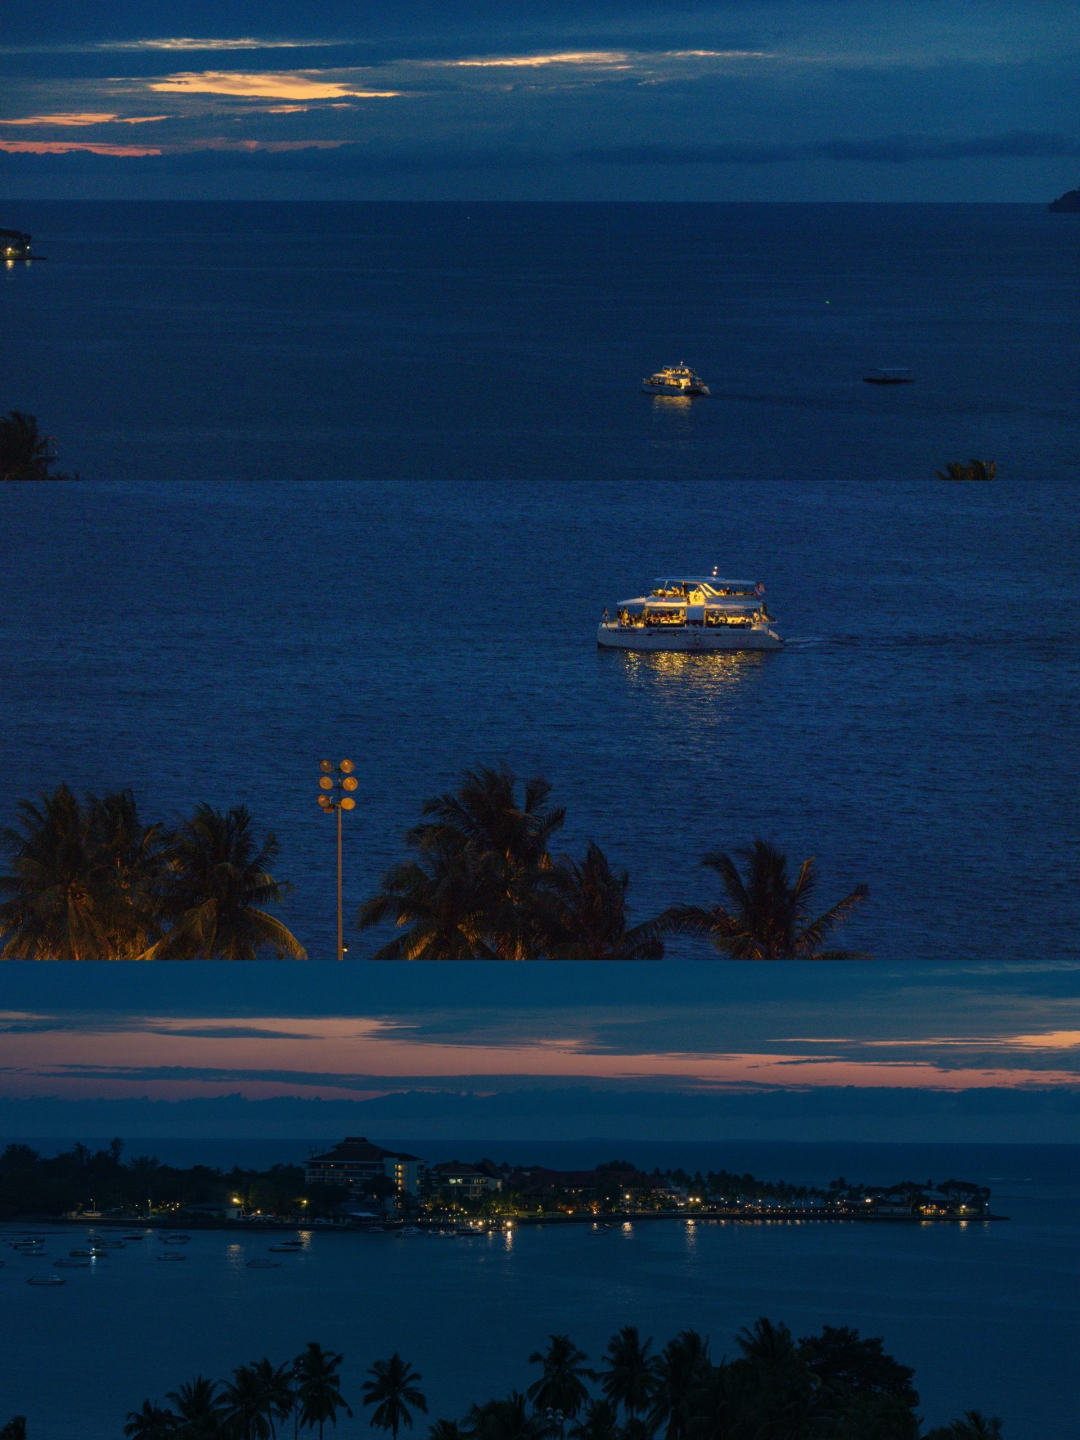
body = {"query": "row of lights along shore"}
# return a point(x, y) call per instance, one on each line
point(336, 784)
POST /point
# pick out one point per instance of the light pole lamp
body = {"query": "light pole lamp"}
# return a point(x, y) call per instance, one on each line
point(336, 784)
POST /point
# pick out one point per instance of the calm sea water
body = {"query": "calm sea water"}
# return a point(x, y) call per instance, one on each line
point(359, 479)
point(986, 1313)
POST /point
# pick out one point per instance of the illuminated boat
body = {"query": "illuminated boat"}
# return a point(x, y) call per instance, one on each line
point(675, 380)
point(693, 613)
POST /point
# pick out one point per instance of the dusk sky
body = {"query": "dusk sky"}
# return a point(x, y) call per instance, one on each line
point(603, 99)
point(782, 1051)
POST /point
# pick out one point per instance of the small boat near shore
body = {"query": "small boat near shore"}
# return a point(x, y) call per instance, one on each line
point(890, 375)
point(45, 1280)
point(692, 613)
point(675, 380)
point(264, 1264)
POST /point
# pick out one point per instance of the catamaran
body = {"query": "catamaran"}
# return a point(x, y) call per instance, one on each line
point(692, 613)
point(675, 380)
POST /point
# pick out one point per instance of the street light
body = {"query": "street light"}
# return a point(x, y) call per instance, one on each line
point(336, 784)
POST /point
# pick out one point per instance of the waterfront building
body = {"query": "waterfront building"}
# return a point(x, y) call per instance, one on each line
point(455, 1181)
point(355, 1162)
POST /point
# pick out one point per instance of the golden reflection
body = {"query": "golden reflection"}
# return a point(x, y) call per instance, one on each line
point(717, 669)
point(673, 402)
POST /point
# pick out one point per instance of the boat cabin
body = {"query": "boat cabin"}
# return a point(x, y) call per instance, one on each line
point(680, 600)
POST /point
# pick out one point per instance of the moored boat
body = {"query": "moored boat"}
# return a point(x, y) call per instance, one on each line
point(889, 375)
point(692, 613)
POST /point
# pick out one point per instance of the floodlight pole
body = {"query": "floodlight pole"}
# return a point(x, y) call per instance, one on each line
point(340, 938)
point(336, 784)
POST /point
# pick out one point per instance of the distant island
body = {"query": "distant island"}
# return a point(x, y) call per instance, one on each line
point(358, 1184)
point(1067, 204)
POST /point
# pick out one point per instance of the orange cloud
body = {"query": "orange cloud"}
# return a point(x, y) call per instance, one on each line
point(85, 117)
point(63, 147)
point(567, 57)
point(280, 85)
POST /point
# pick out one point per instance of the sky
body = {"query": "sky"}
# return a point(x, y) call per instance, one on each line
point(838, 100)
point(780, 1051)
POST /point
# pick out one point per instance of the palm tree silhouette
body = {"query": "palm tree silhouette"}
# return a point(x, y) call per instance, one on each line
point(25, 453)
point(249, 1409)
point(631, 1371)
point(974, 1426)
point(507, 1419)
point(561, 1385)
point(683, 1364)
point(217, 883)
point(599, 1421)
point(392, 1389)
point(318, 1388)
point(198, 1409)
point(82, 879)
point(446, 1430)
point(586, 918)
point(149, 1422)
point(767, 915)
point(471, 893)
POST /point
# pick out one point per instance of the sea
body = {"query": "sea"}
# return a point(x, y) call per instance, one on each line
point(985, 1313)
point(357, 481)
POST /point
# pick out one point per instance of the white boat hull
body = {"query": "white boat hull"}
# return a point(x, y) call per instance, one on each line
point(675, 389)
point(691, 638)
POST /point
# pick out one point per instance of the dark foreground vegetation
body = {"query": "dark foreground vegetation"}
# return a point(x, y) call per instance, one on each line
point(90, 880)
point(25, 453)
point(483, 884)
point(831, 1386)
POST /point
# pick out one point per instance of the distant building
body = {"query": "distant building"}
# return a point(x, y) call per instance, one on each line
point(355, 1162)
point(456, 1181)
point(14, 245)
point(215, 1210)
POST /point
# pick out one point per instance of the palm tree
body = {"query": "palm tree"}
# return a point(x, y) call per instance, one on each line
point(25, 453)
point(150, 1422)
point(318, 1388)
point(766, 916)
point(767, 1346)
point(599, 1421)
point(249, 1409)
point(973, 1426)
point(392, 1389)
point(587, 919)
point(441, 896)
point(631, 1371)
point(446, 1430)
point(81, 880)
point(198, 1409)
point(682, 1366)
point(277, 1391)
point(507, 1419)
point(561, 1386)
point(218, 880)
point(15, 1429)
point(472, 891)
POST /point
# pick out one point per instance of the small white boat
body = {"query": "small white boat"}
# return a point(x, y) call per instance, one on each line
point(134, 1237)
point(285, 1249)
point(45, 1280)
point(894, 375)
point(72, 1264)
point(675, 380)
point(264, 1264)
point(692, 613)
point(79, 1254)
point(110, 1244)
